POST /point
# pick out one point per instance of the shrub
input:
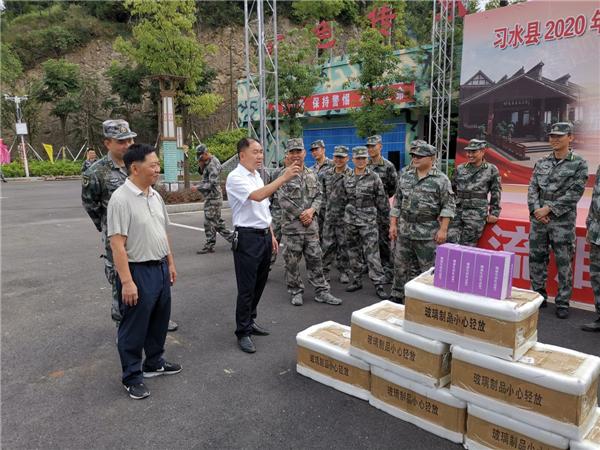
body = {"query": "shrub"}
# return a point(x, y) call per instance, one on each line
point(223, 144)
point(42, 168)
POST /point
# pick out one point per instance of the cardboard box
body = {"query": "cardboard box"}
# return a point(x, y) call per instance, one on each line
point(550, 387)
point(433, 409)
point(489, 430)
point(378, 337)
point(505, 329)
point(323, 356)
point(591, 440)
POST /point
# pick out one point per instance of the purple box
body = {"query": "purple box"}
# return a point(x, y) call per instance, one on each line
point(467, 271)
point(481, 271)
point(499, 275)
point(454, 266)
point(441, 264)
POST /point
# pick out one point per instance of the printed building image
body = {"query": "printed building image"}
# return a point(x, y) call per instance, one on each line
point(515, 112)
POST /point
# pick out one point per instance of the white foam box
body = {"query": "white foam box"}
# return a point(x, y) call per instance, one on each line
point(502, 328)
point(550, 387)
point(433, 409)
point(489, 430)
point(323, 356)
point(378, 337)
point(591, 440)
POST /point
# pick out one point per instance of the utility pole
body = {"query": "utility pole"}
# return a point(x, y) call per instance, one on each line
point(21, 127)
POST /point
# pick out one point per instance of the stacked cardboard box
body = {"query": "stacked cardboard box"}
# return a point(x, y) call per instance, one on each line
point(591, 441)
point(505, 329)
point(323, 356)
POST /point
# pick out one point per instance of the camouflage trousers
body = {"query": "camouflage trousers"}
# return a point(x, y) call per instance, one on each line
point(364, 242)
point(411, 258)
point(467, 226)
point(294, 246)
point(111, 276)
point(595, 273)
point(276, 224)
point(213, 223)
point(334, 246)
point(558, 235)
point(385, 248)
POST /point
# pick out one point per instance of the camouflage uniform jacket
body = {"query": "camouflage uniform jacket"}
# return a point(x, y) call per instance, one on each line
point(387, 173)
point(419, 203)
point(274, 205)
point(365, 199)
point(469, 179)
point(321, 169)
point(593, 219)
point(557, 183)
point(332, 186)
point(98, 184)
point(300, 193)
point(210, 185)
point(87, 164)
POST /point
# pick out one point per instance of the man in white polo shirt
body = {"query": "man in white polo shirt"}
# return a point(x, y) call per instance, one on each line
point(137, 228)
point(254, 240)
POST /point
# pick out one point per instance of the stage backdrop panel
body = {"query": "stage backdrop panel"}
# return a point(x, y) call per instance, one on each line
point(524, 67)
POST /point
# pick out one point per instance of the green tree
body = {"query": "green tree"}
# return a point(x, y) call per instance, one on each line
point(299, 73)
point(320, 10)
point(127, 83)
point(61, 86)
point(163, 42)
point(378, 66)
point(11, 68)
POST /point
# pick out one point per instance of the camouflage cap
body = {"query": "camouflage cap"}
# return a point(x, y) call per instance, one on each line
point(318, 143)
point(340, 150)
point(561, 128)
point(360, 152)
point(201, 149)
point(117, 129)
point(294, 144)
point(422, 149)
point(373, 140)
point(416, 144)
point(476, 144)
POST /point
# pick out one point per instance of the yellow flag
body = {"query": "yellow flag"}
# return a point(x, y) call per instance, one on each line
point(50, 150)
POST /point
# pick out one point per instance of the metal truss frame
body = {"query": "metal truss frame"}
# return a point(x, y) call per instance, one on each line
point(262, 68)
point(442, 67)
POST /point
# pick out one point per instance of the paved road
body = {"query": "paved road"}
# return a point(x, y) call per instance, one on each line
point(60, 369)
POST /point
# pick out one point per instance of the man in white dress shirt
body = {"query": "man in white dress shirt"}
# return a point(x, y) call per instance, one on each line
point(253, 241)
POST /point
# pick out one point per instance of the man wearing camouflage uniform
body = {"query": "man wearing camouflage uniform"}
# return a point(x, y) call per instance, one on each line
point(274, 207)
point(299, 200)
point(387, 172)
point(365, 201)
point(471, 183)
point(333, 239)
point(422, 210)
point(210, 187)
point(557, 183)
point(321, 165)
point(98, 184)
point(593, 237)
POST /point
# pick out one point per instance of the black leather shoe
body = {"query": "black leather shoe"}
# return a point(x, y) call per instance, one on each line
point(246, 344)
point(594, 326)
point(562, 313)
point(380, 292)
point(205, 250)
point(259, 331)
point(353, 287)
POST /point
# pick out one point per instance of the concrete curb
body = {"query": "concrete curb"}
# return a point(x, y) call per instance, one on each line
point(44, 178)
point(190, 207)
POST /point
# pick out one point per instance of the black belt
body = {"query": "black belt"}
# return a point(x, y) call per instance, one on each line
point(469, 194)
point(550, 196)
point(263, 231)
point(156, 262)
point(415, 218)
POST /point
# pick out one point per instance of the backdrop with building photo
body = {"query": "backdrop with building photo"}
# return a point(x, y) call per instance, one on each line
point(523, 68)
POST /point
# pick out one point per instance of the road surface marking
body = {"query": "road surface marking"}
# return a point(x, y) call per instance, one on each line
point(186, 226)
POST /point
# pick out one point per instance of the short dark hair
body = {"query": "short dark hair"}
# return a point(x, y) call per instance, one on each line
point(137, 153)
point(244, 143)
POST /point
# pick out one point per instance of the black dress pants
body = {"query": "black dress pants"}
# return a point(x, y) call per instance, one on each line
point(251, 259)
